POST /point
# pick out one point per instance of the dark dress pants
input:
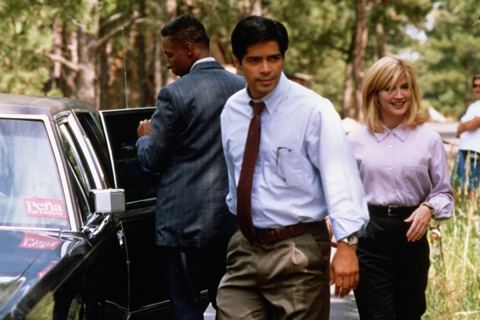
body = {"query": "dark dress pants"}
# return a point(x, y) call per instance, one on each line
point(393, 272)
point(188, 271)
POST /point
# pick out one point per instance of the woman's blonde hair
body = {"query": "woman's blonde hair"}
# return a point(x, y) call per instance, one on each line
point(383, 74)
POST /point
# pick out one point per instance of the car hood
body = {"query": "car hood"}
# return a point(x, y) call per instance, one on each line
point(25, 258)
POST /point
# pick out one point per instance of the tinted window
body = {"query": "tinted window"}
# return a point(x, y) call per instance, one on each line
point(30, 188)
point(92, 129)
point(78, 168)
point(121, 129)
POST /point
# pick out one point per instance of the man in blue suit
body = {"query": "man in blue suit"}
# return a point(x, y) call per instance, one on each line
point(182, 142)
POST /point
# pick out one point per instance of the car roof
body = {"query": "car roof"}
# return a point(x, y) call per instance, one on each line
point(38, 105)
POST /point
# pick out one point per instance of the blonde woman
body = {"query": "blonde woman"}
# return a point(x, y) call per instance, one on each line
point(403, 167)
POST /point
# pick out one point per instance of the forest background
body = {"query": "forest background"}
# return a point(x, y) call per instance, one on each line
point(93, 49)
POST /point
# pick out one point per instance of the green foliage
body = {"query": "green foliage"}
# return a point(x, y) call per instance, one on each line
point(451, 55)
point(24, 67)
point(219, 18)
point(320, 35)
point(320, 38)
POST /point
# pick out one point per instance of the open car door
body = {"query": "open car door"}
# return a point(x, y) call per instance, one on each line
point(148, 296)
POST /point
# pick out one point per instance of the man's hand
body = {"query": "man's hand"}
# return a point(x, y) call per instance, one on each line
point(419, 219)
point(344, 269)
point(144, 128)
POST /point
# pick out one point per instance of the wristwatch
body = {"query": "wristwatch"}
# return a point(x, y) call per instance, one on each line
point(351, 240)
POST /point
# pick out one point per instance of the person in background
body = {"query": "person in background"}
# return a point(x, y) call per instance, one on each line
point(466, 175)
point(290, 166)
point(182, 142)
point(403, 167)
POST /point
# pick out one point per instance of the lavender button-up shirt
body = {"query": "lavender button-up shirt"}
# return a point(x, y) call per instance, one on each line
point(404, 167)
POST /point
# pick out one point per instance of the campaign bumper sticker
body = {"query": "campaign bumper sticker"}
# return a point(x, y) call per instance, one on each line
point(38, 242)
point(44, 208)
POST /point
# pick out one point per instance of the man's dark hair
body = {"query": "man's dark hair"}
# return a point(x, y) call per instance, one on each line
point(255, 29)
point(186, 28)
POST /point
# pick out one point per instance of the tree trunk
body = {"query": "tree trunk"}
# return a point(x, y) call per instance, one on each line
point(360, 46)
point(348, 106)
point(378, 8)
point(256, 7)
point(68, 85)
point(103, 70)
point(348, 102)
point(145, 91)
point(381, 43)
point(162, 75)
point(85, 78)
point(57, 50)
point(355, 68)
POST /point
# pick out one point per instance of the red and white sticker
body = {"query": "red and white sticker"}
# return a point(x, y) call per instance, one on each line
point(38, 242)
point(44, 208)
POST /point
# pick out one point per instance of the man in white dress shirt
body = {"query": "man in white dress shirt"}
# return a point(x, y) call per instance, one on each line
point(304, 171)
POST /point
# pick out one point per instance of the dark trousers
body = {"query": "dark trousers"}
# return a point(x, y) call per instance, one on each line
point(393, 272)
point(190, 270)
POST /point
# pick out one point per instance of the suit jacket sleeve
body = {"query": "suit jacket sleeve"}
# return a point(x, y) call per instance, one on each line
point(153, 149)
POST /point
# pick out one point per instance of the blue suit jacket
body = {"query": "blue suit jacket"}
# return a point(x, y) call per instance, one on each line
point(185, 147)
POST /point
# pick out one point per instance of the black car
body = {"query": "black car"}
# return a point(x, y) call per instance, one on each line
point(76, 214)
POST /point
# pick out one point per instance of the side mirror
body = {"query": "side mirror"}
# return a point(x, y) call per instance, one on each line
point(109, 200)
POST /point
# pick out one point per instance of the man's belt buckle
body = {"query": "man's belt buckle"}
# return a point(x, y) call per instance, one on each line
point(390, 210)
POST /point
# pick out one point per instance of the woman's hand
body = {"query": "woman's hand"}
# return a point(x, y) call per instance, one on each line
point(419, 219)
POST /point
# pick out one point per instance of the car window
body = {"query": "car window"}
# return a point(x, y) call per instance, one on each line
point(92, 129)
point(31, 192)
point(121, 130)
point(78, 168)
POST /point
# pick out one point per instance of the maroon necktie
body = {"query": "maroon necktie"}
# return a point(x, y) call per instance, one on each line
point(244, 188)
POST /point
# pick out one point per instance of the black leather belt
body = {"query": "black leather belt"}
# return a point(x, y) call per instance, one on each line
point(390, 211)
point(272, 235)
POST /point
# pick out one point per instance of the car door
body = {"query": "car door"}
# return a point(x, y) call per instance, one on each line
point(101, 282)
point(148, 285)
point(59, 251)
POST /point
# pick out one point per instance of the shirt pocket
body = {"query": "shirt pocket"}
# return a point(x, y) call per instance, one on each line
point(290, 167)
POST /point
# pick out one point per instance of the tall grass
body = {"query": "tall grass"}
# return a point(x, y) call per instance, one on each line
point(454, 280)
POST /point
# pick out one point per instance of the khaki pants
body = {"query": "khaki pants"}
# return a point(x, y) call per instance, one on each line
point(288, 279)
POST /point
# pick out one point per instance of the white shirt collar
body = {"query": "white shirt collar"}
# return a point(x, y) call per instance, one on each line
point(207, 59)
point(279, 93)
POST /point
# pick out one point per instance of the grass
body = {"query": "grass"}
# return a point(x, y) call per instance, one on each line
point(454, 280)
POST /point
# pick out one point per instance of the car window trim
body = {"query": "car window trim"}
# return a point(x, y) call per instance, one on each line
point(85, 181)
point(88, 151)
point(74, 223)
